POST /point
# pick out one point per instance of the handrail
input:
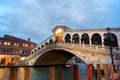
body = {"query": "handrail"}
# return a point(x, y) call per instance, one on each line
point(75, 46)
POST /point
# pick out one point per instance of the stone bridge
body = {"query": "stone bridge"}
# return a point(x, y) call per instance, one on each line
point(60, 53)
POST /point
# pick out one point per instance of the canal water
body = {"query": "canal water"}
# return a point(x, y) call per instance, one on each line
point(40, 73)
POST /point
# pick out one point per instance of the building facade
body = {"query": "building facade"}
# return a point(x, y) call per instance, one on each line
point(13, 49)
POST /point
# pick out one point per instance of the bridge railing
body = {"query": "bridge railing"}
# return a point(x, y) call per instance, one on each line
point(71, 46)
point(85, 47)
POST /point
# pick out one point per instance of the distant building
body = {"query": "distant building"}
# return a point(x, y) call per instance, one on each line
point(13, 49)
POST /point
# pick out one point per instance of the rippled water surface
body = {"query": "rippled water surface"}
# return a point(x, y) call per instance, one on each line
point(39, 73)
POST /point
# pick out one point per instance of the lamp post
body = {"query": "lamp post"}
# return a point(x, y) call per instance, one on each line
point(109, 39)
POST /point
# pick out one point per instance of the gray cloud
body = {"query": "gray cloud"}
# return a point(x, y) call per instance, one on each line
point(37, 18)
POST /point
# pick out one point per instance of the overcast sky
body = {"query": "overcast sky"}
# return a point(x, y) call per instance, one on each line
point(37, 18)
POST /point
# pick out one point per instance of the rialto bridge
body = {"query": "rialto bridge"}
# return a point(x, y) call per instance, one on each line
point(88, 45)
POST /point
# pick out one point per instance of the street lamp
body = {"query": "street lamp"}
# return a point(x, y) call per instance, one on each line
point(109, 36)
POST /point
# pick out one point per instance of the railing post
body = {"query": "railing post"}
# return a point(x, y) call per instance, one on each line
point(76, 73)
point(52, 73)
point(89, 69)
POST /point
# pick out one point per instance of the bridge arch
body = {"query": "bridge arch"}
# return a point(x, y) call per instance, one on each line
point(75, 38)
point(60, 53)
point(46, 43)
point(96, 39)
point(51, 41)
point(68, 38)
point(42, 46)
point(56, 56)
point(113, 39)
point(85, 38)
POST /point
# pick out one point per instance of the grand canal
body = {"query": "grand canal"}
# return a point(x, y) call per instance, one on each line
point(39, 73)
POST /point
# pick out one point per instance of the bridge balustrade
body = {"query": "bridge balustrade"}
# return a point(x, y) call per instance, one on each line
point(71, 46)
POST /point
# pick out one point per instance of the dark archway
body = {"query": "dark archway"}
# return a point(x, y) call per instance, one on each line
point(75, 38)
point(54, 57)
point(96, 39)
point(68, 38)
point(42, 46)
point(46, 43)
point(85, 38)
point(50, 41)
point(113, 40)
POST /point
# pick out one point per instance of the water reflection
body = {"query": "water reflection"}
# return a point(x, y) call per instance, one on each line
point(13, 74)
point(20, 74)
point(4, 73)
point(37, 73)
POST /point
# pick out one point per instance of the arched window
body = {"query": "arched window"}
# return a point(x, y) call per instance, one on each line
point(85, 38)
point(96, 39)
point(42, 46)
point(68, 38)
point(113, 40)
point(50, 41)
point(75, 38)
point(46, 43)
point(38, 47)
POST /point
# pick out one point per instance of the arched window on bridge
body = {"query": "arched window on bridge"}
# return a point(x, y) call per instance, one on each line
point(42, 46)
point(96, 39)
point(85, 39)
point(38, 48)
point(46, 43)
point(75, 38)
point(50, 41)
point(113, 40)
point(68, 38)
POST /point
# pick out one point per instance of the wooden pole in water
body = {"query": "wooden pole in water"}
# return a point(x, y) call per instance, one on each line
point(60, 73)
point(106, 71)
point(76, 73)
point(13, 74)
point(112, 68)
point(99, 72)
point(52, 73)
point(89, 70)
point(27, 74)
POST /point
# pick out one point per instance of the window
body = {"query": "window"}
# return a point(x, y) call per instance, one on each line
point(16, 44)
point(8, 51)
point(25, 45)
point(0, 43)
point(7, 43)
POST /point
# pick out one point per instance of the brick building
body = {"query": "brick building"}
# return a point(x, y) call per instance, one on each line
point(13, 49)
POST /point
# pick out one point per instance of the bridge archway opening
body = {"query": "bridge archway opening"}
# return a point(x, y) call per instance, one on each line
point(113, 39)
point(85, 38)
point(58, 35)
point(46, 43)
point(75, 38)
point(42, 46)
point(68, 38)
point(54, 57)
point(50, 41)
point(96, 39)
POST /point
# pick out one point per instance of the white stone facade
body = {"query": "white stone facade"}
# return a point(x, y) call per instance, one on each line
point(90, 33)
